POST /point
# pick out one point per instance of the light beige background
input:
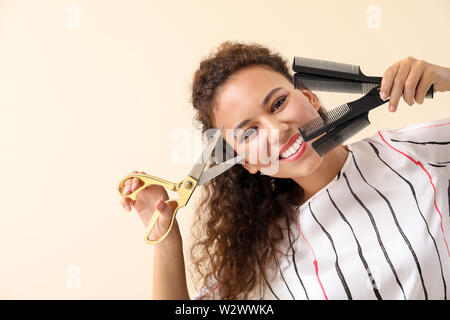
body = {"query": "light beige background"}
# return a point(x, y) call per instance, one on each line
point(82, 107)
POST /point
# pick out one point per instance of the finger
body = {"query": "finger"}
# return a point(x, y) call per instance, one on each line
point(165, 218)
point(163, 221)
point(387, 81)
point(409, 88)
point(126, 203)
point(135, 183)
point(127, 186)
point(397, 88)
point(422, 88)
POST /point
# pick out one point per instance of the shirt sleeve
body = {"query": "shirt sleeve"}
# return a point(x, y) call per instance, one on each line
point(427, 143)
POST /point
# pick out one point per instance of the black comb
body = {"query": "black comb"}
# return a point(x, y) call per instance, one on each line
point(322, 75)
point(340, 134)
point(341, 114)
point(343, 122)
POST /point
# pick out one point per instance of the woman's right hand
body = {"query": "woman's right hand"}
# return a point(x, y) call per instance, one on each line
point(147, 201)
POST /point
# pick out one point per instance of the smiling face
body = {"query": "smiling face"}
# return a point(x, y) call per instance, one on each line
point(265, 111)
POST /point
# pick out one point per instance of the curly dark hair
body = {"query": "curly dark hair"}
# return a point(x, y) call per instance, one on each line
point(242, 217)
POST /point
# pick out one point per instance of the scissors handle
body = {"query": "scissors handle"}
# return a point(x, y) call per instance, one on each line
point(148, 180)
point(175, 206)
point(185, 189)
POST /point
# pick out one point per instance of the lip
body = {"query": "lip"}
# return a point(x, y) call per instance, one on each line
point(298, 154)
point(289, 144)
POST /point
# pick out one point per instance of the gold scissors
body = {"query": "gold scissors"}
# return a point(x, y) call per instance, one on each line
point(197, 176)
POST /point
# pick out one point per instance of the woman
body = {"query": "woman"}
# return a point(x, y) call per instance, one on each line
point(363, 222)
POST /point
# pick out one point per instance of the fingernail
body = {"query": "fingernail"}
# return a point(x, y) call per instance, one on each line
point(383, 95)
point(391, 108)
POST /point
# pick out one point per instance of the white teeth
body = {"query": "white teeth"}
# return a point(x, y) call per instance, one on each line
point(293, 149)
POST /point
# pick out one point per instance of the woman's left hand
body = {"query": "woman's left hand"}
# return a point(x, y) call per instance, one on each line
point(412, 78)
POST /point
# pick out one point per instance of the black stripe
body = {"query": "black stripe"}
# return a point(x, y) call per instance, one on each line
point(281, 273)
point(441, 164)
point(448, 191)
point(423, 143)
point(295, 264)
point(413, 192)
point(360, 252)
point(437, 165)
point(336, 264)
point(380, 242)
point(400, 230)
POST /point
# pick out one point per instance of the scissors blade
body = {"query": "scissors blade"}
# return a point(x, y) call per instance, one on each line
point(213, 172)
point(200, 164)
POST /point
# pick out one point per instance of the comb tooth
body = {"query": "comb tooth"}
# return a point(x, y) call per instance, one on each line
point(327, 143)
point(366, 87)
point(309, 127)
point(337, 113)
point(326, 65)
point(318, 125)
point(331, 86)
point(325, 147)
point(312, 125)
point(317, 122)
point(339, 135)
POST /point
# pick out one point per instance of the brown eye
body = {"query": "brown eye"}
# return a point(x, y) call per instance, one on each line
point(277, 104)
point(247, 134)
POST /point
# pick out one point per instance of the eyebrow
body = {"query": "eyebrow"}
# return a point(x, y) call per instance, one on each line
point(265, 101)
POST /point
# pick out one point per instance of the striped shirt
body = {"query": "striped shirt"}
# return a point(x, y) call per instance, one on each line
point(380, 229)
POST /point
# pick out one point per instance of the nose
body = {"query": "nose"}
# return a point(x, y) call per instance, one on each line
point(277, 133)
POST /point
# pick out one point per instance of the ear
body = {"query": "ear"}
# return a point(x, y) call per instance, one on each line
point(312, 98)
point(253, 169)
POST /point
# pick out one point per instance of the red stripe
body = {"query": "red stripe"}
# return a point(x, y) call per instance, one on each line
point(431, 182)
point(208, 293)
point(316, 266)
